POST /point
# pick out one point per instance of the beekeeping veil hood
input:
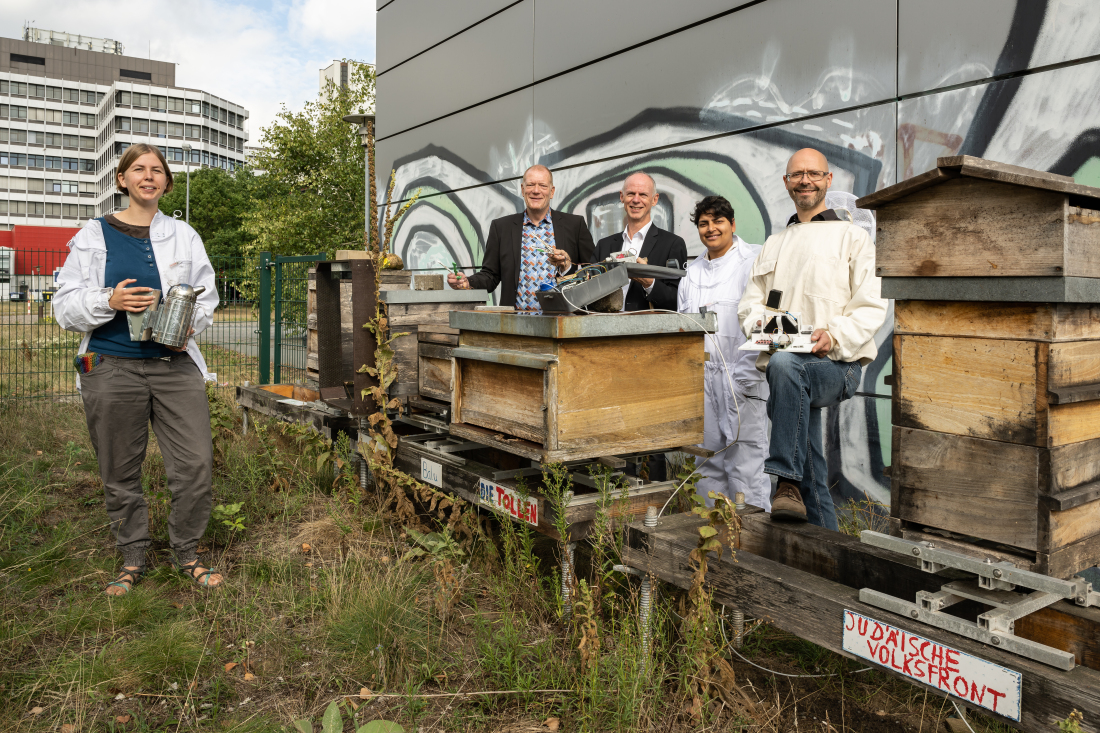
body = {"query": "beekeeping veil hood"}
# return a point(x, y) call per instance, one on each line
point(862, 218)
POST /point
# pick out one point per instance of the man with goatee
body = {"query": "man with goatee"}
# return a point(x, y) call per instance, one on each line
point(823, 267)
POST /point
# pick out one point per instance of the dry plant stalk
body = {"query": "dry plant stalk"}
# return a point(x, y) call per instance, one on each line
point(711, 673)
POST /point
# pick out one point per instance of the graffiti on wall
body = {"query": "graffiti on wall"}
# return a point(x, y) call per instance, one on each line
point(1044, 121)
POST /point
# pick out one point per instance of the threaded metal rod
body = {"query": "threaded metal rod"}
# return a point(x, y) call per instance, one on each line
point(567, 580)
point(737, 622)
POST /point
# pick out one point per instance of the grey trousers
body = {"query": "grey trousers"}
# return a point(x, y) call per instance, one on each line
point(121, 398)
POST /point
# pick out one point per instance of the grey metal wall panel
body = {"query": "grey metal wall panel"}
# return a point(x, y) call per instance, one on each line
point(1041, 121)
point(944, 42)
point(752, 67)
point(408, 27)
point(573, 32)
point(490, 59)
point(491, 142)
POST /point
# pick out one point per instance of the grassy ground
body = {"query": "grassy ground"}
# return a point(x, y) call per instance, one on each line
point(320, 602)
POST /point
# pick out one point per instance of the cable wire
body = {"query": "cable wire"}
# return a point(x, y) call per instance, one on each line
point(962, 716)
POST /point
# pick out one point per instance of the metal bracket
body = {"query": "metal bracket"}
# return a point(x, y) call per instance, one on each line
point(995, 585)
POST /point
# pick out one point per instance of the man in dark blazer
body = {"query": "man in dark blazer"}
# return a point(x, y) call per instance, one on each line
point(655, 246)
point(526, 249)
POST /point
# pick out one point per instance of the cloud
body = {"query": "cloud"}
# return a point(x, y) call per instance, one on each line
point(260, 55)
point(333, 20)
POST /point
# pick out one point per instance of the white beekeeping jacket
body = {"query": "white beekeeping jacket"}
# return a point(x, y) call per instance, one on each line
point(718, 285)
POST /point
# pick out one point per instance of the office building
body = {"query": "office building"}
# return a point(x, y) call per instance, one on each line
point(68, 111)
point(340, 73)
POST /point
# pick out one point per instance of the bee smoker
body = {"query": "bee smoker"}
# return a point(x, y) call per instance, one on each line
point(167, 323)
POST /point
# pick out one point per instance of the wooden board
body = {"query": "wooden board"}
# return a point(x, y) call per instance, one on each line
point(812, 608)
point(508, 341)
point(1073, 525)
point(969, 227)
point(435, 371)
point(1074, 364)
point(266, 401)
point(1049, 322)
point(601, 398)
point(1074, 423)
point(1083, 240)
point(502, 397)
point(406, 362)
point(447, 339)
point(984, 388)
point(981, 488)
point(1074, 465)
point(437, 328)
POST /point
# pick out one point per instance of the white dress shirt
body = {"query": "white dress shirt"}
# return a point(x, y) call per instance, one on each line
point(635, 243)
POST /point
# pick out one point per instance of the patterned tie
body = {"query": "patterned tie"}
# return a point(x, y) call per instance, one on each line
point(535, 267)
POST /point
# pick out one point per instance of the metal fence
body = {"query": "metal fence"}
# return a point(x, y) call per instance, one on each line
point(244, 342)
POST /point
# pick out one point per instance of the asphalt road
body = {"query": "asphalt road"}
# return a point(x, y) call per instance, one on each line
point(244, 338)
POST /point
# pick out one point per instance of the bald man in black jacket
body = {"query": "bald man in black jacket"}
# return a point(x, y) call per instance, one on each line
point(656, 246)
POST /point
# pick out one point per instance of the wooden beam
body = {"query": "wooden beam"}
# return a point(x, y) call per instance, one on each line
point(812, 608)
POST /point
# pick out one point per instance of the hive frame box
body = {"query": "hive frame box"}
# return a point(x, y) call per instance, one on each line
point(562, 388)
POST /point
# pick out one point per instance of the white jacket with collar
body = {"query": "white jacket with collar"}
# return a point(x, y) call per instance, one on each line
point(826, 270)
point(80, 303)
point(718, 285)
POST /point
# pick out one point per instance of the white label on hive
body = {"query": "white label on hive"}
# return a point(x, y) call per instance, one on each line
point(508, 501)
point(978, 681)
point(431, 472)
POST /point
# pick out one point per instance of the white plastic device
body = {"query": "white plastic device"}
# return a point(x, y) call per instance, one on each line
point(797, 342)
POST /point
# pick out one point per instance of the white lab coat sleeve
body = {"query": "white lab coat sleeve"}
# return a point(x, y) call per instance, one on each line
point(202, 273)
point(78, 305)
point(865, 312)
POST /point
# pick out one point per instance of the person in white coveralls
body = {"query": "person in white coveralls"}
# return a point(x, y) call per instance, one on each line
point(735, 392)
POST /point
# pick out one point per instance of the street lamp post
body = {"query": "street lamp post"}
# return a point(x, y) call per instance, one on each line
point(366, 128)
point(187, 158)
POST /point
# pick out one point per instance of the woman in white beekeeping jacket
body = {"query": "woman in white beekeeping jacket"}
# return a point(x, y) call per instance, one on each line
point(113, 264)
point(735, 418)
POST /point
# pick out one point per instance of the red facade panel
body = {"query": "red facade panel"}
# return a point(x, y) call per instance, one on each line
point(39, 250)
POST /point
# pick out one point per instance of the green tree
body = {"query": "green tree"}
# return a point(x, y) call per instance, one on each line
point(310, 197)
point(219, 202)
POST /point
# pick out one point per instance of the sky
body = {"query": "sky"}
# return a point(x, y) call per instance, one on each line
point(261, 55)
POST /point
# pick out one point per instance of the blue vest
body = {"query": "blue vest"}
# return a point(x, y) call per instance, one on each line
point(127, 257)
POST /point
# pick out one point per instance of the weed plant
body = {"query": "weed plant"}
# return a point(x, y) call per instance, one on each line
point(328, 599)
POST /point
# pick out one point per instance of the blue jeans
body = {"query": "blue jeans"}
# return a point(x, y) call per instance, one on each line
point(801, 384)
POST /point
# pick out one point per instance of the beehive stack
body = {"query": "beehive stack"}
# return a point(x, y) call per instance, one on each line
point(996, 387)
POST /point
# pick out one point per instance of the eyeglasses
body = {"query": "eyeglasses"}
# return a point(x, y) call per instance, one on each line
point(814, 176)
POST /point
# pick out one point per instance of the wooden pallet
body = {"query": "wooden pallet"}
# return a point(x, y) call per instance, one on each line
point(802, 579)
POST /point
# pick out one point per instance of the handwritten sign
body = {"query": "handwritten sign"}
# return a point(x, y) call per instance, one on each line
point(978, 681)
point(508, 501)
point(431, 472)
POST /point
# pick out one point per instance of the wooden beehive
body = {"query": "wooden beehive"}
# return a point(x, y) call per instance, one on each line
point(389, 280)
point(407, 311)
point(561, 388)
point(996, 405)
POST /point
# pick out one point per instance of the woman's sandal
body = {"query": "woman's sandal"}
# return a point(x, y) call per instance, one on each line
point(202, 579)
point(126, 580)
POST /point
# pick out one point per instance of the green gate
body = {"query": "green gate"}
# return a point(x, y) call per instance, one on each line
point(284, 333)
